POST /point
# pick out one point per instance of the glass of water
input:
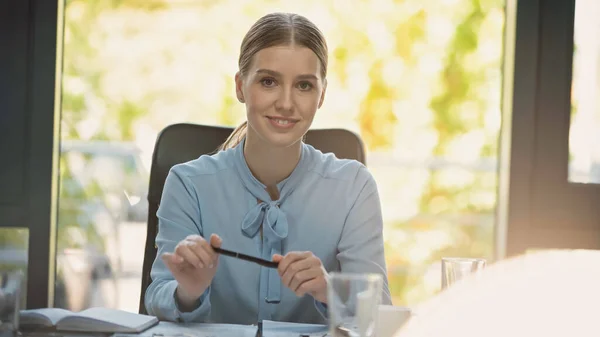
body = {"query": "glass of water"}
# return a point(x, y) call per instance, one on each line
point(10, 291)
point(353, 303)
point(455, 268)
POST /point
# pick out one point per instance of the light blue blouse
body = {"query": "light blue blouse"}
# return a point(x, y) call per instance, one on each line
point(327, 206)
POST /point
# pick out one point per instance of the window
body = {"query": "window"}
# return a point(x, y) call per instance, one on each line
point(584, 135)
point(420, 81)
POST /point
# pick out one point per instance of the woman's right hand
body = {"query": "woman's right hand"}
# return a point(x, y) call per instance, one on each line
point(193, 264)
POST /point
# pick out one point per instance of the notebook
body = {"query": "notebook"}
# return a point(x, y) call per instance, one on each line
point(91, 320)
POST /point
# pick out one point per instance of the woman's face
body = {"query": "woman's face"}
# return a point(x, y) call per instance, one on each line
point(282, 89)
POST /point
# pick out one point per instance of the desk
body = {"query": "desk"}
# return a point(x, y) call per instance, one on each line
point(270, 329)
point(390, 319)
point(169, 329)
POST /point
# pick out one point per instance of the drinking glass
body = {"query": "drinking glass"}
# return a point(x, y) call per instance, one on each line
point(10, 290)
point(353, 303)
point(455, 268)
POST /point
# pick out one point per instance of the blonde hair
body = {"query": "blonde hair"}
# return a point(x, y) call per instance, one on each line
point(277, 29)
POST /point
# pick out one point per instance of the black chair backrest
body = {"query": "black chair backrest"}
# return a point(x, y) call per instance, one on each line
point(179, 143)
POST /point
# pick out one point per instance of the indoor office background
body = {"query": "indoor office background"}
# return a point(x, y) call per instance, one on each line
point(481, 121)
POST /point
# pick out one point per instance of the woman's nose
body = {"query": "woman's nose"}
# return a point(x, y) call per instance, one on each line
point(285, 100)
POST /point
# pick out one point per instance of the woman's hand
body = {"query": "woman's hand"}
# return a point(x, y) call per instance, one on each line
point(303, 273)
point(193, 264)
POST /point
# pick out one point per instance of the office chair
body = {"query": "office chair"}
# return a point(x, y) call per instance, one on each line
point(179, 143)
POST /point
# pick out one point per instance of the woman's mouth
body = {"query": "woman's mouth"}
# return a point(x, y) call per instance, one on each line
point(282, 123)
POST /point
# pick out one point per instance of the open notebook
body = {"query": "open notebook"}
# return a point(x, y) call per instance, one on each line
point(90, 320)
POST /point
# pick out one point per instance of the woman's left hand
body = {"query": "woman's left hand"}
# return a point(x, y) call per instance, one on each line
point(303, 273)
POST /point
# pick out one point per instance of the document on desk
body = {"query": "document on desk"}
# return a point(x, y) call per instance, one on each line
point(287, 329)
point(168, 329)
point(269, 329)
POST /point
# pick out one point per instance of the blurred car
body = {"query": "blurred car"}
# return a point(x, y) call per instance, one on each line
point(102, 185)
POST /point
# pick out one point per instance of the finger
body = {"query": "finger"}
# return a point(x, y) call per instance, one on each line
point(277, 258)
point(303, 276)
point(289, 259)
point(202, 249)
point(175, 262)
point(215, 241)
point(309, 287)
point(294, 269)
point(172, 258)
point(187, 253)
point(204, 252)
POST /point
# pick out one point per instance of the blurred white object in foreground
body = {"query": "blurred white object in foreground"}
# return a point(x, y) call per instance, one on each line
point(391, 318)
point(546, 293)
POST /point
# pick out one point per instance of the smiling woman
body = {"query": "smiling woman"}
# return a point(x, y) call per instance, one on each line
point(286, 93)
point(282, 89)
point(271, 183)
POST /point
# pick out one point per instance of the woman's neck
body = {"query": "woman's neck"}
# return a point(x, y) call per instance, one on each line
point(270, 164)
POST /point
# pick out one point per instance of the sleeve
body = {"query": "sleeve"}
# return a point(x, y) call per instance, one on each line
point(361, 248)
point(178, 216)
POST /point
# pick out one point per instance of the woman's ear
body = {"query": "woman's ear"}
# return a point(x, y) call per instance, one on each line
point(238, 87)
point(322, 99)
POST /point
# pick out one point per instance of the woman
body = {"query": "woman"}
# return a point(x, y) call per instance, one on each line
point(266, 194)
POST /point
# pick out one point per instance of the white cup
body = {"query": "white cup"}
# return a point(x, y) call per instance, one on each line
point(390, 319)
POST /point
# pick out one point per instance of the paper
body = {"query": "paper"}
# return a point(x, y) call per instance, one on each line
point(169, 329)
point(270, 329)
point(286, 329)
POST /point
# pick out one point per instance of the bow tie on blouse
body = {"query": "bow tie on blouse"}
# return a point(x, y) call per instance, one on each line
point(275, 223)
point(268, 214)
point(275, 230)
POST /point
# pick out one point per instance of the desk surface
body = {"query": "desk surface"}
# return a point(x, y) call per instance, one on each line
point(270, 329)
point(169, 329)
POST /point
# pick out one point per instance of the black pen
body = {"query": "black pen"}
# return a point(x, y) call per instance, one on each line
point(265, 263)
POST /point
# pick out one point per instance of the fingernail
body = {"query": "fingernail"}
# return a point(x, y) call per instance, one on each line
point(210, 265)
point(200, 265)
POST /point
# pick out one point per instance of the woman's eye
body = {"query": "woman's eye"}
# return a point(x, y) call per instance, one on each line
point(305, 86)
point(267, 82)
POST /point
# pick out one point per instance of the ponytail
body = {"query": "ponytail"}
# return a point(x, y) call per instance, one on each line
point(235, 137)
